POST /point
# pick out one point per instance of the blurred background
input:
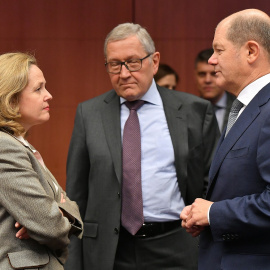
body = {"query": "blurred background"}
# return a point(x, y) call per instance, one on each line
point(67, 37)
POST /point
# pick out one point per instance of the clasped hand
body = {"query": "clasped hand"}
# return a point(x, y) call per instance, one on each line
point(195, 216)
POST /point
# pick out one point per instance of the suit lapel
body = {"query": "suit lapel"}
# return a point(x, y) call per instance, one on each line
point(46, 173)
point(243, 122)
point(112, 128)
point(177, 124)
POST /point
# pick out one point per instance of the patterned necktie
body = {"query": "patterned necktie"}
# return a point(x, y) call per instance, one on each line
point(236, 107)
point(132, 204)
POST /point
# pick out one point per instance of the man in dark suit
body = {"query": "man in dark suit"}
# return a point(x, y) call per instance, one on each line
point(234, 221)
point(178, 132)
point(205, 77)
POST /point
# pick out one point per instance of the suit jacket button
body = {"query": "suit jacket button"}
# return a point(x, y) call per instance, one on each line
point(118, 194)
point(224, 237)
point(116, 231)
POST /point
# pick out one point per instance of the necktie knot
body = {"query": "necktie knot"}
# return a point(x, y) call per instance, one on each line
point(134, 105)
point(236, 106)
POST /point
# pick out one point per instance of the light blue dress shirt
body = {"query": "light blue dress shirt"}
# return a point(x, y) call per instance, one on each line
point(162, 200)
point(220, 110)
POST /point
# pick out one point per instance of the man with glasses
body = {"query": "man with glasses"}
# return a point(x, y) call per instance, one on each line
point(138, 154)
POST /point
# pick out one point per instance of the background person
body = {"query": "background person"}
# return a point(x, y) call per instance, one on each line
point(233, 222)
point(205, 78)
point(177, 137)
point(36, 216)
point(166, 77)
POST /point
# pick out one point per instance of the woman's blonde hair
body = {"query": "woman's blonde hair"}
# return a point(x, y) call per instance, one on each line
point(14, 71)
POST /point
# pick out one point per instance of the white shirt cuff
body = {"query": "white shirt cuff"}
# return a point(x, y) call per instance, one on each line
point(208, 214)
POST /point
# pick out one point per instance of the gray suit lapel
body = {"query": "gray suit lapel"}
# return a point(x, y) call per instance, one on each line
point(177, 124)
point(45, 172)
point(112, 128)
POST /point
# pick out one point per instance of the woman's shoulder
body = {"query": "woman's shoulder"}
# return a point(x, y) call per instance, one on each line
point(9, 144)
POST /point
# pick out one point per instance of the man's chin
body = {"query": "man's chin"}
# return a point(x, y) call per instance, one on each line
point(129, 94)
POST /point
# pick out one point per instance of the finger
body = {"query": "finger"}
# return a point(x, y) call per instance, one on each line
point(63, 200)
point(183, 223)
point(25, 236)
point(17, 225)
point(61, 212)
point(20, 232)
point(195, 234)
point(189, 223)
point(183, 215)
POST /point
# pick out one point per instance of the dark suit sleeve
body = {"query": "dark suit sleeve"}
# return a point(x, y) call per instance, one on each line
point(211, 135)
point(78, 167)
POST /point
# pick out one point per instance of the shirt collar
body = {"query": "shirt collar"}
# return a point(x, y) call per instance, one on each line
point(22, 140)
point(25, 143)
point(151, 96)
point(222, 103)
point(251, 90)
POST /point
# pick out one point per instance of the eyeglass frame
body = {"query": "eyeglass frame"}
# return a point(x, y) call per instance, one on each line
point(124, 63)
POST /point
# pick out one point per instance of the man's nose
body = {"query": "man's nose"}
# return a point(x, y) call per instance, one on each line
point(212, 60)
point(124, 71)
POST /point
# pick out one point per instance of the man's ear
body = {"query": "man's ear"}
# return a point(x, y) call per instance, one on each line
point(156, 58)
point(253, 51)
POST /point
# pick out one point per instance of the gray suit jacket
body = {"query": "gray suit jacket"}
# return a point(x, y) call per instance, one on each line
point(29, 196)
point(94, 167)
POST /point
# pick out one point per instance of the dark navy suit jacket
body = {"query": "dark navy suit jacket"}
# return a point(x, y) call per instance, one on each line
point(239, 234)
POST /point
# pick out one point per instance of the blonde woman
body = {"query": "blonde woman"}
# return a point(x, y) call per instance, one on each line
point(36, 217)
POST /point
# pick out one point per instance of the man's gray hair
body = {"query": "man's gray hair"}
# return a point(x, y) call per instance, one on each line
point(244, 28)
point(125, 30)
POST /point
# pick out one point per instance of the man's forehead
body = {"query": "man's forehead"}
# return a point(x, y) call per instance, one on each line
point(123, 54)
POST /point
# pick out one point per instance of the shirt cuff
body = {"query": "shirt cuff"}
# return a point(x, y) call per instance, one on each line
point(208, 214)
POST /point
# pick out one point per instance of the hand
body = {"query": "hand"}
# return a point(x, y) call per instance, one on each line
point(185, 212)
point(198, 213)
point(195, 217)
point(22, 233)
point(63, 200)
point(194, 230)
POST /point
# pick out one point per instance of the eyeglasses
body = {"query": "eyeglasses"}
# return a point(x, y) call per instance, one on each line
point(132, 65)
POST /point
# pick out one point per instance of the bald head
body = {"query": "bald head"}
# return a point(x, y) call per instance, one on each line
point(241, 50)
point(246, 25)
